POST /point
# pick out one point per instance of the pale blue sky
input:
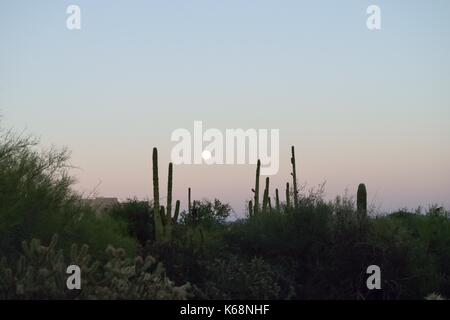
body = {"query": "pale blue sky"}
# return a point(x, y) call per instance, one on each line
point(359, 105)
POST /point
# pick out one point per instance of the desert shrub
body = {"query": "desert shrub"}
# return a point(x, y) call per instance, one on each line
point(98, 233)
point(407, 269)
point(196, 239)
point(274, 235)
point(138, 217)
point(237, 278)
point(414, 250)
point(188, 251)
point(323, 249)
point(206, 213)
point(294, 242)
point(35, 193)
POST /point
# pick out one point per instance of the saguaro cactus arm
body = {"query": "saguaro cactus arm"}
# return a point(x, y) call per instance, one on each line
point(270, 204)
point(288, 199)
point(169, 192)
point(189, 201)
point(266, 196)
point(258, 168)
point(163, 216)
point(294, 177)
point(177, 211)
point(277, 200)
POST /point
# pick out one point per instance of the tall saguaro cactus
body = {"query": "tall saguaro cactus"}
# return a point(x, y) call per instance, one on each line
point(277, 200)
point(270, 205)
point(156, 207)
point(162, 213)
point(256, 190)
point(189, 201)
point(361, 199)
point(167, 217)
point(294, 178)
point(163, 219)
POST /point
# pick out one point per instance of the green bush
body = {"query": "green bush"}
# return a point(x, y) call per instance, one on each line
point(138, 218)
point(206, 213)
point(37, 201)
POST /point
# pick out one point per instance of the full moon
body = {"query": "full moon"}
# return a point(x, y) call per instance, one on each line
point(206, 155)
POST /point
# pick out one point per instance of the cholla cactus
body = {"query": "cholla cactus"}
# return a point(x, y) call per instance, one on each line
point(41, 274)
point(137, 279)
point(434, 296)
point(81, 258)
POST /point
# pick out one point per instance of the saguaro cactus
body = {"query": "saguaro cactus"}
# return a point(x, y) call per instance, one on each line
point(270, 205)
point(168, 219)
point(156, 208)
point(294, 177)
point(277, 200)
point(162, 212)
point(189, 201)
point(169, 190)
point(256, 190)
point(288, 198)
point(250, 209)
point(361, 199)
point(266, 196)
point(163, 219)
point(177, 212)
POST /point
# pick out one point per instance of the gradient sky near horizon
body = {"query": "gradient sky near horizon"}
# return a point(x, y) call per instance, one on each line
point(359, 105)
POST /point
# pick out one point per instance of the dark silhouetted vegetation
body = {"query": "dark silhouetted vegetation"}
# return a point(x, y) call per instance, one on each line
point(298, 247)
